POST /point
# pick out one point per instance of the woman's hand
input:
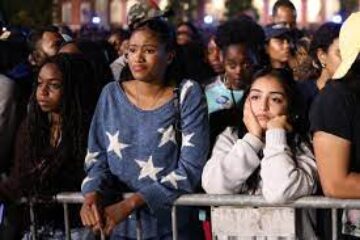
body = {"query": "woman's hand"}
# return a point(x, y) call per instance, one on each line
point(118, 212)
point(91, 212)
point(250, 121)
point(279, 122)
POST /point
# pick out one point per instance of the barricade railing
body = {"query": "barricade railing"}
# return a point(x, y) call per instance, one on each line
point(238, 200)
point(65, 199)
point(258, 201)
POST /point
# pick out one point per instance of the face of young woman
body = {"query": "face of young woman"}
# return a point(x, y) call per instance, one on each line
point(267, 99)
point(213, 57)
point(147, 56)
point(183, 35)
point(278, 50)
point(333, 58)
point(236, 63)
point(49, 88)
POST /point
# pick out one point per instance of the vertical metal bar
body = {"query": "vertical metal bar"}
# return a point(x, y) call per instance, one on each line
point(138, 226)
point(67, 222)
point(32, 220)
point(102, 235)
point(174, 222)
point(334, 223)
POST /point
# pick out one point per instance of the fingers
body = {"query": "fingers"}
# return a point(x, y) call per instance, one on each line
point(280, 122)
point(110, 225)
point(246, 107)
point(90, 217)
point(85, 214)
point(96, 214)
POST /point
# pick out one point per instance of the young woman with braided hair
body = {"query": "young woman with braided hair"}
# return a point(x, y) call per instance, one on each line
point(51, 141)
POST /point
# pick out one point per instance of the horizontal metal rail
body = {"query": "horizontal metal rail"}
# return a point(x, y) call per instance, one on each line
point(239, 200)
point(236, 200)
point(65, 199)
point(259, 201)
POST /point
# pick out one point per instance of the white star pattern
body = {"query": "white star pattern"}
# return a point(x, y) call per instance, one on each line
point(173, 178)
point(186, 140)
point(185, 90)
point(115, 145)
point(168, 135)
point(90, 158)
point(85, 181)
point(148, 169)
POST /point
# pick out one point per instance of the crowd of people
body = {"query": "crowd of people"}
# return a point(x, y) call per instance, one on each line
point(158, 111)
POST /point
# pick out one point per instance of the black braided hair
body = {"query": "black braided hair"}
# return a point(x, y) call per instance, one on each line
point(76, 109)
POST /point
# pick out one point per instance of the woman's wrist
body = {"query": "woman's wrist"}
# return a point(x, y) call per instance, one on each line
point(135, 201)
point(258, 134)
point(91, 197)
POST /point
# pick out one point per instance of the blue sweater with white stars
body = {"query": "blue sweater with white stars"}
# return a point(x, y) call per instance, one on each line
point(139, 148)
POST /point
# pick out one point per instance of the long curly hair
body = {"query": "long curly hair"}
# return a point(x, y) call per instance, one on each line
point(76, 108)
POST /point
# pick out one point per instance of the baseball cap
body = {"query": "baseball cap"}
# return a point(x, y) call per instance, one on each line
point(276, 30)
point(142, 11)
point(349, 44)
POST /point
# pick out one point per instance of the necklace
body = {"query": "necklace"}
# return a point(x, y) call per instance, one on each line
point(56, 135)
point(154, 100)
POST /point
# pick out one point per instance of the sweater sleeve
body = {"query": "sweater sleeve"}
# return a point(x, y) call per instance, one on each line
point(286, 177)
point(10, 188)
point(7, 120)
point(231, 164)
point(193, 151)
point(96, 165)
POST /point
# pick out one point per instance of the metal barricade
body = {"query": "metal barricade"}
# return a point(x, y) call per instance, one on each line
point(239, 200)
point(258, 201)
point(71, 198)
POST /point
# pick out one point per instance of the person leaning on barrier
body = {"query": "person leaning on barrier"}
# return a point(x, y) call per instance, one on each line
point(51, 141)
point(335, 124)
point(148, 137)
point(269, 153)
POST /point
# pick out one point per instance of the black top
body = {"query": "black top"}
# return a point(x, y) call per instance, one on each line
point(309, 91)
point(27, 178)
point(336, 111)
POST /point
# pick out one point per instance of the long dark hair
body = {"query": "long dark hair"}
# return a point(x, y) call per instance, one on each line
point(76, 109)
point(165, 33)
point(295, 104)
point(295, 113)
point(323, 38)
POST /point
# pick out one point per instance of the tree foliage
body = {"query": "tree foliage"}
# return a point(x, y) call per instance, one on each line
point(27, 13)
point(184, 10)
point(236, 7)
